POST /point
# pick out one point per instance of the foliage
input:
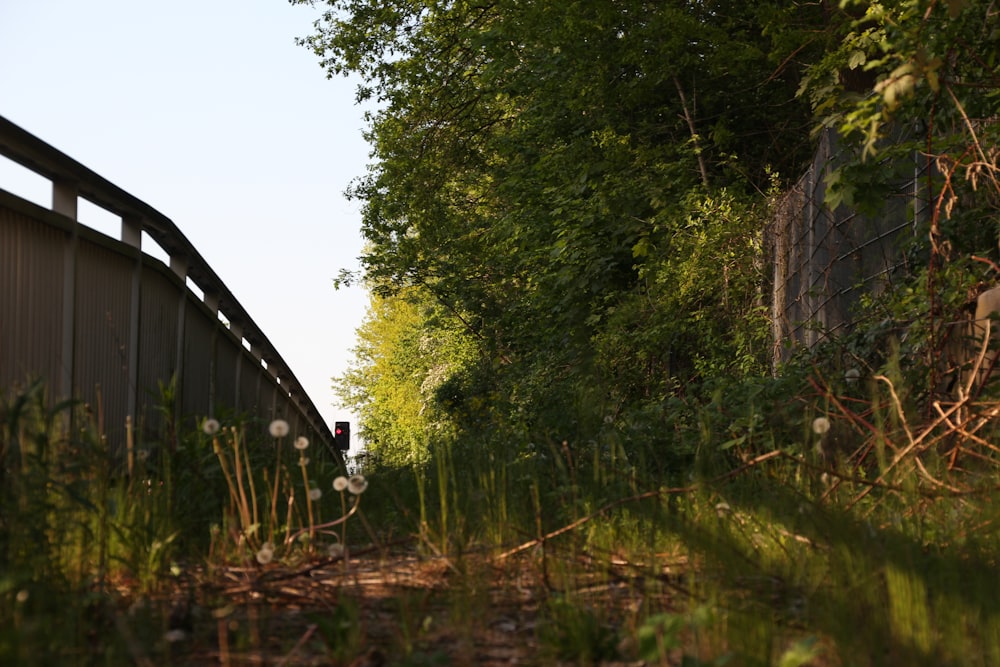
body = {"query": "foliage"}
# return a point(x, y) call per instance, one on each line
point(408, 371)
point(913, 83)
point(923, 60)
point(573, 632)
point(929, 78)
point(574, 200)
point(71, 525)
point(544, 178)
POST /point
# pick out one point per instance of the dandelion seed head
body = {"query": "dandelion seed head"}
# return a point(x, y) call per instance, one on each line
point(340, 483)
point(357, 484)
point(852, 375)
point(211, 426)
point(821, 425)
point(278, 428)
point(301, 443)
point(315, 494)
point(335, 550)
point(265, 556)
point(174, 636)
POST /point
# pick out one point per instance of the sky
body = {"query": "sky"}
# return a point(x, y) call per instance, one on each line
point(210, 113)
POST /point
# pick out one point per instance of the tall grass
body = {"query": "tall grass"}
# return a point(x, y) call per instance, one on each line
point(830, 526)
point(74, 529)
point(844, 528)
point(87, 532)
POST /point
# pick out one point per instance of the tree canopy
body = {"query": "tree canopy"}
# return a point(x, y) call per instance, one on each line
point(567, 201)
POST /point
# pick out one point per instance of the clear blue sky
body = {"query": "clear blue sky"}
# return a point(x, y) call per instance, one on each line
point(207, 111)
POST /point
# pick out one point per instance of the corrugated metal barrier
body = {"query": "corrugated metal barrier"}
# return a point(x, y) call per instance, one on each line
point(98, 320)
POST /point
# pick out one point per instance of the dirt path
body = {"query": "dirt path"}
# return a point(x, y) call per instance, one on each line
point(369, 611)
point(396, 609)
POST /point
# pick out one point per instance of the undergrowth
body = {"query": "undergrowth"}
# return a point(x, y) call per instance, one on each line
point(838, 524)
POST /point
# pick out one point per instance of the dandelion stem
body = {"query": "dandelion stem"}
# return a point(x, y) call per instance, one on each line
point(343, 513)
point(273, 522)
point(238, 465)
point(288, 524)
point(253, 489)
point(277, 478)
point(223, 463)
point(309, 503)
point(322, 526)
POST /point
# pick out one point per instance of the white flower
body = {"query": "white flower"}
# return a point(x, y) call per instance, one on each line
point(301, 443)
point(278, 428)
point(210, 427)
point(335, 550)
point(357, 484)
point(315, 494)
point(340, 483)
point(821, 425)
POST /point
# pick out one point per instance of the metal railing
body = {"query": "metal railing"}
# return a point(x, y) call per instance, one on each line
point(99, 320)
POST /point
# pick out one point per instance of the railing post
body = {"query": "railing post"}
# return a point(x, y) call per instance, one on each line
point(64, 201)
point(211, 300)
point(179, 266)
point(256, 353)
point(64, 198)
point(132, 235)
point(132, 231)
point(236, 329)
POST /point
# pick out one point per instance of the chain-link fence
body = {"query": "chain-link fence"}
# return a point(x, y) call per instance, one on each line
point(824, 259)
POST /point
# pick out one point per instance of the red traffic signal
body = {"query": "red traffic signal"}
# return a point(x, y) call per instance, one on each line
point(342, 435)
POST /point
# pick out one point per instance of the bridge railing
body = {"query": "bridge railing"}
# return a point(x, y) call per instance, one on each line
point(98, 319)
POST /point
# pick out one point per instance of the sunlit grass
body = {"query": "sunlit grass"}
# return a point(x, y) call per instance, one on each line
point(760, 554)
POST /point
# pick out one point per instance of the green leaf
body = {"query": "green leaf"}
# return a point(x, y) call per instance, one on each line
point(800, 653)
point(856, 58)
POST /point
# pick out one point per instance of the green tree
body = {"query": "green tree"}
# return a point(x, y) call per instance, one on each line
point(537, 166)
point(404, 356)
